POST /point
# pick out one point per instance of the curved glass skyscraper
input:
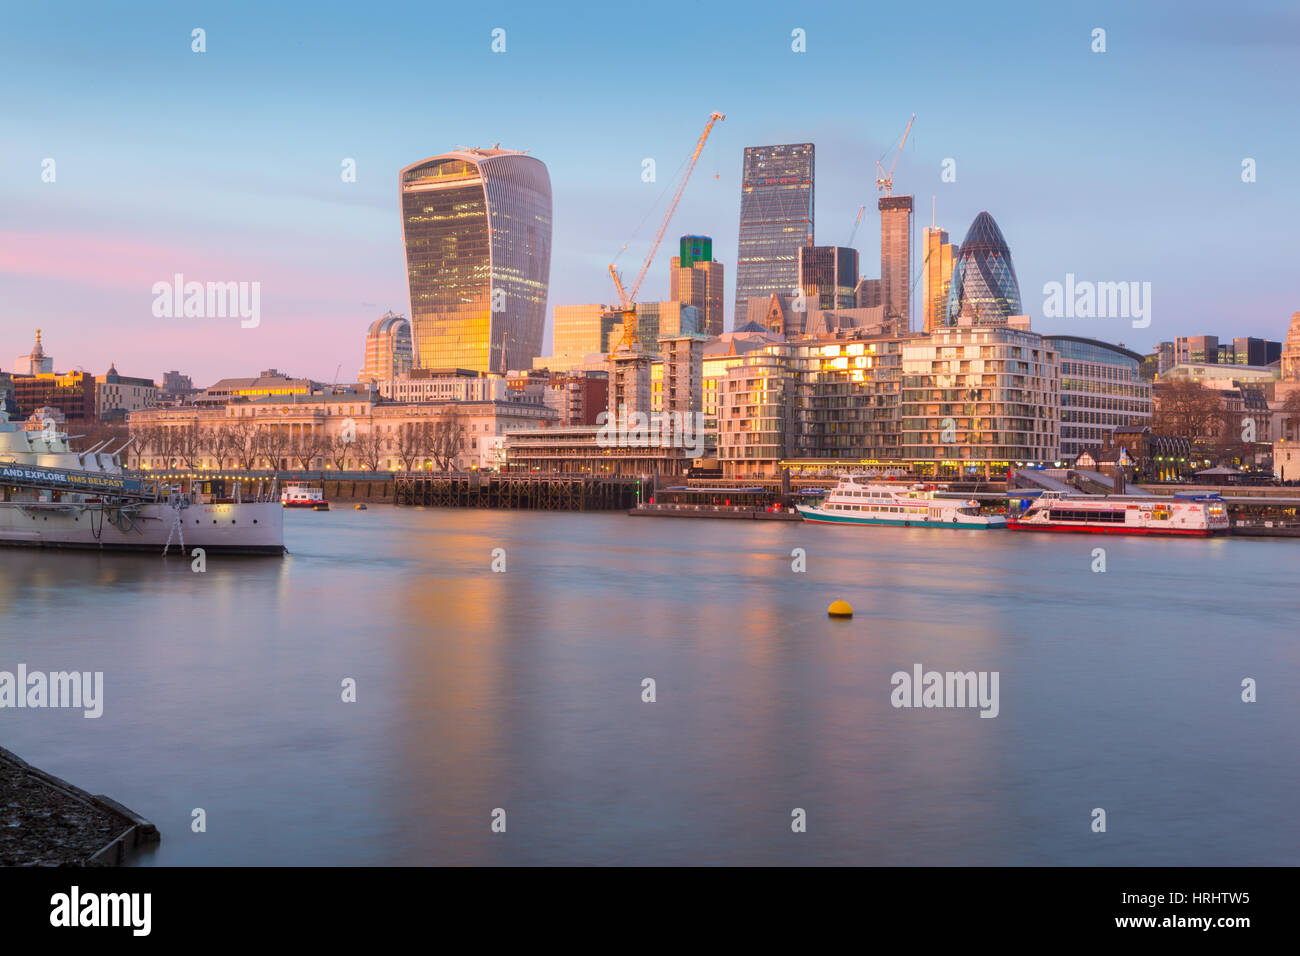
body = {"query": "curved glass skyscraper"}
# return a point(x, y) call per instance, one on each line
point(984, 284)
point(476, 226)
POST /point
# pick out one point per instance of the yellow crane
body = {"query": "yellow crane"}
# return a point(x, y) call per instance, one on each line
point(627, 297)
point(885, 181)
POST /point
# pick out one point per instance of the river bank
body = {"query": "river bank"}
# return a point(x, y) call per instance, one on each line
point(46, 821)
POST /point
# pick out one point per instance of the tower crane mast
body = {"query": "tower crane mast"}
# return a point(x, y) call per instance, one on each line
point(627, 296)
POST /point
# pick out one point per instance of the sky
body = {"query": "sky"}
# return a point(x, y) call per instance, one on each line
point(1123, 165)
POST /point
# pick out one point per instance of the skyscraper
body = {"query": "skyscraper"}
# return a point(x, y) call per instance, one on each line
point(984, 285)
point(896, 258)
point(828, 276)
point(936, 273)
point(696, 279)
point(476, 226)
point(776, 218)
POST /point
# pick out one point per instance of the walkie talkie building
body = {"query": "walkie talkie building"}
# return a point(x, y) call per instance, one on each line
point(476, 227)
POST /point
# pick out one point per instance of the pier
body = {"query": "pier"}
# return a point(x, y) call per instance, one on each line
point(516, 491)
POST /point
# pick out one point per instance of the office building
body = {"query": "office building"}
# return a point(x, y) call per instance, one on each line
point(937, 259)
point(828, 276)
point(776, 218)
point(984, 288)
point(388, 349)
point(1101, 390)
point(695, 278)
point(896, 259)
point(476, 227)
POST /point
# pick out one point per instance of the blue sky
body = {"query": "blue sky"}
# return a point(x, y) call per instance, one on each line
point(1123, 165)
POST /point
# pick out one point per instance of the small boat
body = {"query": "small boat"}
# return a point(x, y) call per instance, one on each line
point(299, 495)
point(852, 501)
point(360, 507)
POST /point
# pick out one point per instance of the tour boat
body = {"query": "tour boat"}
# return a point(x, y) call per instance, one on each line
point(53, 497)
point(854, 502)
point(1194, 516)
point(298, 495)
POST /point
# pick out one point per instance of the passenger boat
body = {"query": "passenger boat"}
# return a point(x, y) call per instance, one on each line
point(852, 501)
point(1192, 516)
point(53, 497)
point(299, 495)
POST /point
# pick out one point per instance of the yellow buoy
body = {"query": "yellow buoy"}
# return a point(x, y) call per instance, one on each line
point(840, 609)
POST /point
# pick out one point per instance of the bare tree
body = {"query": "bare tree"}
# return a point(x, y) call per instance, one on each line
point(371, 446)
point(1186, 409)
point(447, 440)
point(273, 442)
point(219, 443)
point(244, 442)
point(414, 443)
point(337, 448)
point(305, 447)
point(188, 443)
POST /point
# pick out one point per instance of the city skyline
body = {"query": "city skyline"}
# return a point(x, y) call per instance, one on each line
point(219, 175)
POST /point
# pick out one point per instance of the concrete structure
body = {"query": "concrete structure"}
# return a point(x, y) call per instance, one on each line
point(578, 397)
point(1286, 460)
point(72, 393)
point(476, 226)
point(896, 259)
point(176, 387)
point(1101, 390)
point(682, 388)
point(388, 349)
point(776, 218)
point(695, 278)
point(117, 396)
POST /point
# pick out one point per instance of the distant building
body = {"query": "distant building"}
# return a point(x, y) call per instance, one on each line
point(776, 218)
point(896, 258)
point(450, 385)
point(828, 276)
point(869, 293)
point(34, 362)
point(1196, 350)
point(72, 393)
point(476, 225)
point(388, 348)
point(984, 286)
point(937, 258)
point(1101, 390)
point(578, 397)
point(697, 279)
point(270, 383)
point(584, 330)
point(176, 387)
point(117, 396)
point(683, 367)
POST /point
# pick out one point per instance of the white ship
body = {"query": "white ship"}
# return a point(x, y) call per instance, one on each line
point(53, 497)
point(854, 502)
point(1188, 516)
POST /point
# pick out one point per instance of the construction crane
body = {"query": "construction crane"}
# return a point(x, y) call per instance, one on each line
point(856, 222)
point(627, 296)
point(885, 182)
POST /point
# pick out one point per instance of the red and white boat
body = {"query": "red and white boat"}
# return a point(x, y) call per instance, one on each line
point(299, 495)
point(1195, 516)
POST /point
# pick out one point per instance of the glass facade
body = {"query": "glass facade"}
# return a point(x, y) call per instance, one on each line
point(984, 285)
point(828, 276)
point(476, 226)
point(776, 218)
point(1101, 390)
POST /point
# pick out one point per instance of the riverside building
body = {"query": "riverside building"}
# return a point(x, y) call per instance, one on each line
point(979, 399)
point(1101, 390)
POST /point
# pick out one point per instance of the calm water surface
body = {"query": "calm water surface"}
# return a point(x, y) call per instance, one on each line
point(522, 690)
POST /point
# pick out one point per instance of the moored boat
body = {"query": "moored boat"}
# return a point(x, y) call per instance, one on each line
point(53, 497)
point(853, 501)
point(296, 494)
point(1181, 516)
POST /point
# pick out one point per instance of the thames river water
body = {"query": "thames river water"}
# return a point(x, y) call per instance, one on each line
point(478, 690)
